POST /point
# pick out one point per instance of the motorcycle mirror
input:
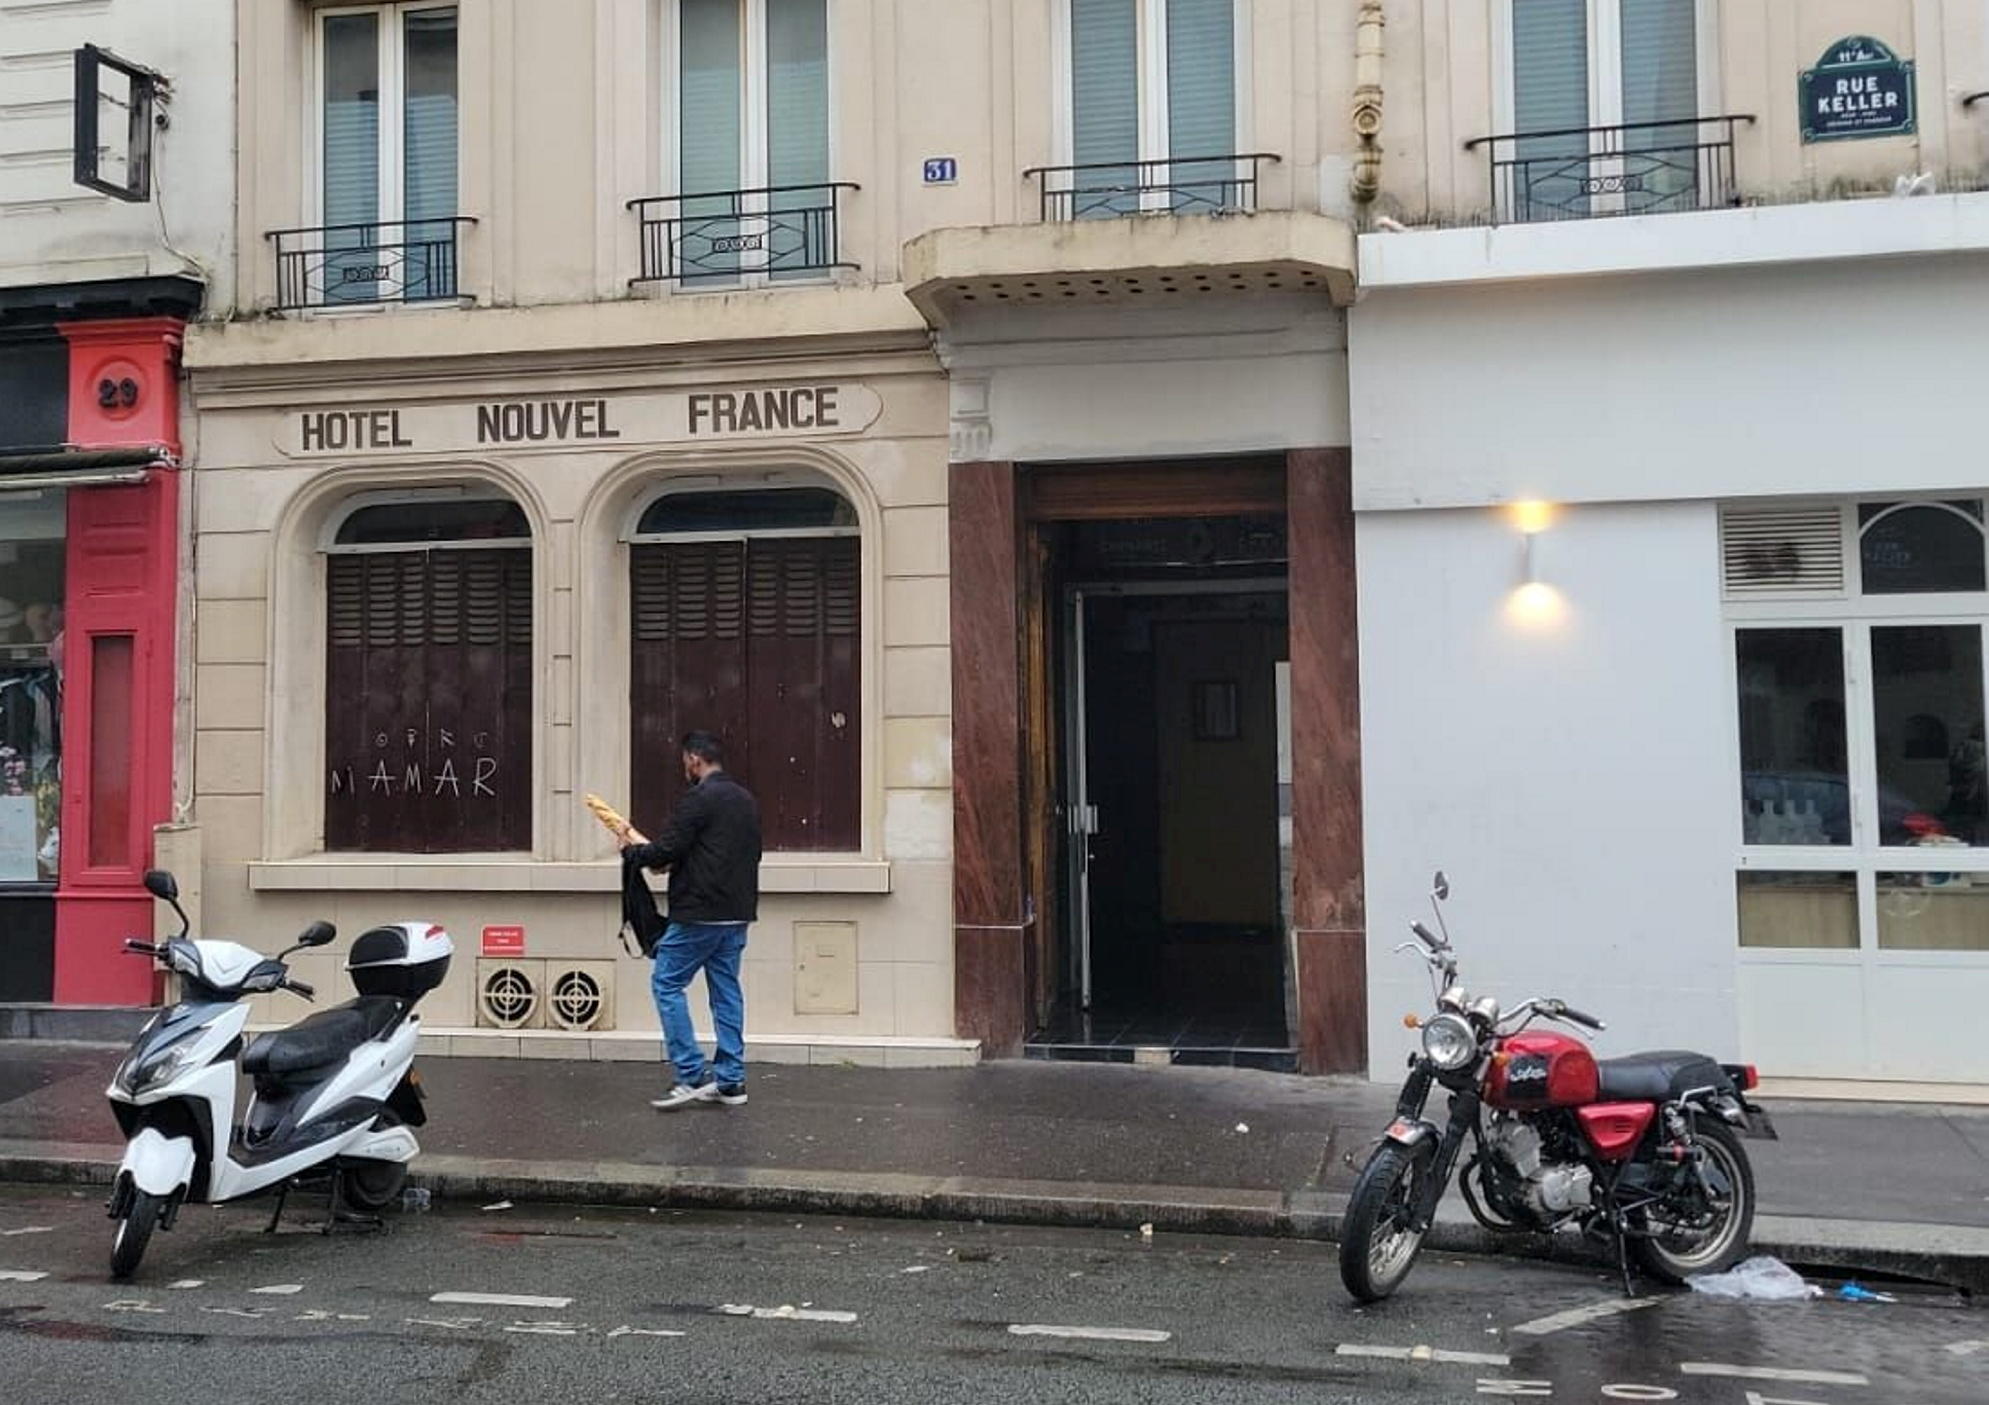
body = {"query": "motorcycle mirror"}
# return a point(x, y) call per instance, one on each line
point(317, 934)
point(161, 884)
point(1440, 885)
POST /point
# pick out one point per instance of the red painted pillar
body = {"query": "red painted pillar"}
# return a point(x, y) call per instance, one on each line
point(118, 658)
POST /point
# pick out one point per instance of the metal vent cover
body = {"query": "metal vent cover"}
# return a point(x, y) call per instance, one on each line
point(1782, 551)
point(580, 995)
point(509, 994)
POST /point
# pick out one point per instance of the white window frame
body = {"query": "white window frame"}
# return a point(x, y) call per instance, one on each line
point(1854, 615)
point(754, 158)
point(392, 37)
point(1605, 62)
point(1151, 40)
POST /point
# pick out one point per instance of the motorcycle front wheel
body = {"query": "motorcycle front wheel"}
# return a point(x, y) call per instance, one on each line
point(1716, 1239)
point(133, 1233)
point(1378, 1246)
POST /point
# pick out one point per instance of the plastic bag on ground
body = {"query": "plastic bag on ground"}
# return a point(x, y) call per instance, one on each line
point(1759, 1279)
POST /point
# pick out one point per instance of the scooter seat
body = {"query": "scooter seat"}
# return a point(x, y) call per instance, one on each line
point(324, 1038)
point(1658, 1076)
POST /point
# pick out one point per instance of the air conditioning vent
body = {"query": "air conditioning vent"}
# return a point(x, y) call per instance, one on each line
point(510, 994)
point(1782, 551)
point(580, 995)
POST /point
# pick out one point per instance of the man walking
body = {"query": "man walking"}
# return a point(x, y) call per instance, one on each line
point(711, 848)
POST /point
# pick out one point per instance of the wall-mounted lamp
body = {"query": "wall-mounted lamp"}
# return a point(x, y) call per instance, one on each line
point(1532, 518)
point(1534, 603)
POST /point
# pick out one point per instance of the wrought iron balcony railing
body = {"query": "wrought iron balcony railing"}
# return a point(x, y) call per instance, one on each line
point(1640, 168)
point(1186, 185)
point(350, 265)
point(724, 236)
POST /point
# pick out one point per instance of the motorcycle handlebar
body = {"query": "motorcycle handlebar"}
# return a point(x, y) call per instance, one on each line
point(1568, 1013)
point(308, 991)
point(132, 944)
point(1426, 936)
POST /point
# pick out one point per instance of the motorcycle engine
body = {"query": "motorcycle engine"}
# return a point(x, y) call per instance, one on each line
point(1549, 1188)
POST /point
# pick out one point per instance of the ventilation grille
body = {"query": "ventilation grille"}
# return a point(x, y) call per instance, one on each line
point(1768, 551)
point(508, 994)
point(416, 598)
point(580, 996)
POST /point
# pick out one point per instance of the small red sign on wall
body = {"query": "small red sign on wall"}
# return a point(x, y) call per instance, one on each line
point(504, 941)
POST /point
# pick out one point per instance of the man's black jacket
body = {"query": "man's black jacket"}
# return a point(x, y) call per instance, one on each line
point(712, 848)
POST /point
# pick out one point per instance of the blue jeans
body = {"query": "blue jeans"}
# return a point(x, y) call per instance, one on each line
point(715, 949)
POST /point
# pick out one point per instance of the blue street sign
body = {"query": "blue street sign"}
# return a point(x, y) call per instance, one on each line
point(941, 170)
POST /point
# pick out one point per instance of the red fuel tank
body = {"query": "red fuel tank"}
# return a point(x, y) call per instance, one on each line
point(1541, 1069)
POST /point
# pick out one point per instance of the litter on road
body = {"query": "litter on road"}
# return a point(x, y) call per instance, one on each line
point(1763, 1279)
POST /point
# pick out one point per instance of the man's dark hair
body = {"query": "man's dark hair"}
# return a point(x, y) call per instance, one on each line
point(705, 747)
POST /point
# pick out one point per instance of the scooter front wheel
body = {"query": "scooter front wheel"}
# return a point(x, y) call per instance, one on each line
point(134, 1232)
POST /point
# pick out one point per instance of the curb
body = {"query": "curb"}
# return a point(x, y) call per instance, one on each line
point(1955, 1256)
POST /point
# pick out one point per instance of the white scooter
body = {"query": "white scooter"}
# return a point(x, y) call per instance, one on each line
point(336, 1092)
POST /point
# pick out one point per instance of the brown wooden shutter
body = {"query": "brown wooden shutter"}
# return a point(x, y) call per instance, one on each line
point(429, 701)
point(758, 642)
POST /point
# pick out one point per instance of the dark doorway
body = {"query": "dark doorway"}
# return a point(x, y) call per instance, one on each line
point(1173, 635)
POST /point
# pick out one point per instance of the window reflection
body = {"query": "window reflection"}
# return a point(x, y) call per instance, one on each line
point(1927, 687)
point(32, 557)
point(1918, 548)
point(1795, 786)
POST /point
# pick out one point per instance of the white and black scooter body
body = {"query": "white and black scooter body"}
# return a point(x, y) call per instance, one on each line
point(334, 1091)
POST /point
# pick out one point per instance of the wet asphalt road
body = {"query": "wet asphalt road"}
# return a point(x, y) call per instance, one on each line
point(728, 1309)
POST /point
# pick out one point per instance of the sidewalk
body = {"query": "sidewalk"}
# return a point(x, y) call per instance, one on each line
point(1894, 1188)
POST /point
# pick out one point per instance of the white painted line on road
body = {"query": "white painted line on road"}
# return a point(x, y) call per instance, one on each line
point(1090, 1334)
point(453, 1324)
point(185, 1283)
point(1421, 1353)
point(252, 1313)
point(548, 1329)
point(20, 1275)
point(785, 1314)
point(278, 1290)
point(1771, 1373)
point(131, 1305)
point(1968, 1348)
point(499, 1300)
point(643, 1332)
point(26, 1229)
point(1576, 1316)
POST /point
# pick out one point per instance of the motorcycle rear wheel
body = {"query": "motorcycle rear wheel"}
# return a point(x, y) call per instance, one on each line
point(133, 1233)
point(1725, 1243)
point(1377, 1246)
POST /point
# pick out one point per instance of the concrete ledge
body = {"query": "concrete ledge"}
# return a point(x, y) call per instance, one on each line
point(506, 874)
point(76, 1024)
point(1939, 1253)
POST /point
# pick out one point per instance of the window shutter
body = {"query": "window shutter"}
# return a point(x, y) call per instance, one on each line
point(1660, 61)
point(1549, 65)
point(1201, 97)
point(687, 663)
point(1768, 552)
point(351, 119)
point(429, 136)
point(797, 130)
point(1105, 98)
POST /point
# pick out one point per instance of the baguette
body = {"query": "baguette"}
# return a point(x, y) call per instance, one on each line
point(612, 820)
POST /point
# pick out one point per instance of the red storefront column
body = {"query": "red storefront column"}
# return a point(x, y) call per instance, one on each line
point(118, 659)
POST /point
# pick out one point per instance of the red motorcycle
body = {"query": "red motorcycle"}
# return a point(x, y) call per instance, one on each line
point(1643, 1151)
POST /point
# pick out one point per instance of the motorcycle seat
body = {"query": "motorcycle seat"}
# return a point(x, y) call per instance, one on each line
point(324, 1038)
point(1657, 1076)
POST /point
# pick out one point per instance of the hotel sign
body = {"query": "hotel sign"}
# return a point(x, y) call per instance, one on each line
point(719, 413)
point(1860, 88)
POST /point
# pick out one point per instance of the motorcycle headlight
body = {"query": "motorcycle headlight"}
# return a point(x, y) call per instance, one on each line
point(1449, 1043)
point(163, 1066)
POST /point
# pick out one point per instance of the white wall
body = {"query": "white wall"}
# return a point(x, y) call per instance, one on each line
point(1663, 385)
point(55, 230)
point(1571, 775)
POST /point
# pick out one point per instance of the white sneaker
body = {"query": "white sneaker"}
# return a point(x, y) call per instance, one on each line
point(683, 1095)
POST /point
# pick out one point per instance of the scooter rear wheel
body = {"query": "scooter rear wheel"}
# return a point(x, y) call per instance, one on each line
point(134, 1232)
point(373, 1186)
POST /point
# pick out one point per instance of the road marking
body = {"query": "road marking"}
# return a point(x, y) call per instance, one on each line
point(278, 1290)
point(453, 1324)
point(319, 1315)
point(20, 1275)
point(26, 1229)
point(252, 1313)
point(785, 1314)
point(642, 1332)
point(499, 1300)
point(1968, 1348)
point(1576, 1316)
point(1771, 1373)
point(549, 1329)
point(1511, 1388)
point(1090, 1334)
point(131, 1305)
point(189, 1283)
point(1422, 1353)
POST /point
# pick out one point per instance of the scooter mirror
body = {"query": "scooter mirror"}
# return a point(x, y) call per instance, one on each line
point(1440, 886)
point(317, 934)
point(161, 884)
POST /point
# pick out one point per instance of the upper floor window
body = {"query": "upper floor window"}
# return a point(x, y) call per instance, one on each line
point(1607, 105)
point(386, 154)
point(1152, 105)
point(752, 196)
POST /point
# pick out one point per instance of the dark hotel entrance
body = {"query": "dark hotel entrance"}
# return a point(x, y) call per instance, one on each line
point(1157, 852)
point(1173, 650)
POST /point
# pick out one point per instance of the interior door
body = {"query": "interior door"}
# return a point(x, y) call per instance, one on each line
point(1080, 813)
